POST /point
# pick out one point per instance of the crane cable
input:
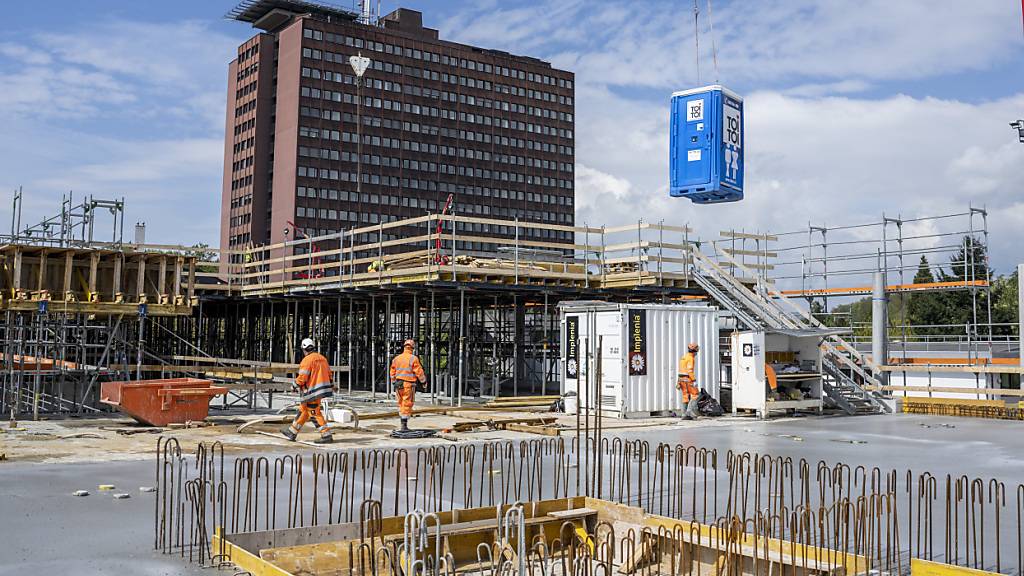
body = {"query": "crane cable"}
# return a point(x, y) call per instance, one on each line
point(696, 38)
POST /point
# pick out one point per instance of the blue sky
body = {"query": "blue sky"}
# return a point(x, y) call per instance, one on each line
point(853, 108)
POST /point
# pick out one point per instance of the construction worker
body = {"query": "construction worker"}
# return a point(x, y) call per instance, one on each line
point(406, 371)
point(314, 384)
point(686, 380)
point(773, 381)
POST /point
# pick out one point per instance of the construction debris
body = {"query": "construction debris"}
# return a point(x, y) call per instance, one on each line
point(80, 493)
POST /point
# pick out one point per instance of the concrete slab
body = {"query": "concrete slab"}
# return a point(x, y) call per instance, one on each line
point(45, 527)
point(46, 530)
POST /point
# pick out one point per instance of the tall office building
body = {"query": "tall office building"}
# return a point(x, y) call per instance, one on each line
point(437, 118)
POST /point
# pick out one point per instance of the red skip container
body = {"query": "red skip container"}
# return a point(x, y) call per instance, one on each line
point(162, 402)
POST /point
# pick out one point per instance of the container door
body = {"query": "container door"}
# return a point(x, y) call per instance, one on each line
point(609, 332)
point(694, 138)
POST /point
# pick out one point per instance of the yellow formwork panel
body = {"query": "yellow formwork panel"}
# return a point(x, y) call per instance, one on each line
point(927, 568)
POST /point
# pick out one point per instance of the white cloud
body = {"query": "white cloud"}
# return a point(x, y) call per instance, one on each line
point(22, 53)
point(838, 44)
point(119, 109)
point(826, 161)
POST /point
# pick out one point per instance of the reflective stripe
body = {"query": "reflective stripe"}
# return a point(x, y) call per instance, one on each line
point(304, 372)
point(317, 392)
point(407, 374)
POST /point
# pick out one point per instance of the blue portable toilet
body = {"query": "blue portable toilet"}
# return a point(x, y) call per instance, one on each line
point(706, 145)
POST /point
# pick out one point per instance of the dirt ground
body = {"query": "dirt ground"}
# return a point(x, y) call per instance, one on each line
point(70, 440)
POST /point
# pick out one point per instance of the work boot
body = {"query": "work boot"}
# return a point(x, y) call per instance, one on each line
point(405, 425)
point(288, 434)
point(324, 440)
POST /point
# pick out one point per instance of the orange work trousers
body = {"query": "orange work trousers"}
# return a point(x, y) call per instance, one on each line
point(307, 411)
point(406, 396)
point(689, 390)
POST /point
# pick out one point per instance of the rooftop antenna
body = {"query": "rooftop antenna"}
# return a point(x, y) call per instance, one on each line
point(1019, 125)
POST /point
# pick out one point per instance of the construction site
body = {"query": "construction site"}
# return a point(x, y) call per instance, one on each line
point(149, 391)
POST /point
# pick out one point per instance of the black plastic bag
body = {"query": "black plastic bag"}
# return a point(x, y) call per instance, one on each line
point(708, 406)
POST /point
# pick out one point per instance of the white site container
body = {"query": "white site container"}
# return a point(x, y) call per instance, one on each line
point(667, 330)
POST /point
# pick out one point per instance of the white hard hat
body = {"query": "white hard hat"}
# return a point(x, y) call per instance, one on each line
point(308, 344)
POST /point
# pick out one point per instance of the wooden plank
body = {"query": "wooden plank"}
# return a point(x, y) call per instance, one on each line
point(956, 402)
point(734, 234)
point(932, 368)
point(948, 389)
point(759, 253)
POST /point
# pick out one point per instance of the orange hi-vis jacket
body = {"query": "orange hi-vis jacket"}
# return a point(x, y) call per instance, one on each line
point(314, 378)
point(407, 368)
point(687, 382)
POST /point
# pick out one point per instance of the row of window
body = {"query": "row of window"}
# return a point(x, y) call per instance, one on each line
point(244, 144)
point(240, 239)
point(241, 164)
point(483, 192)
point(247, 71)
point(443, 113)
point(412, 127)
point(436, 58)
point(467, 171)
point(240, 220)
point(332, 214)
point(244, 200)
point(409, 164)
point(245, 108)
point(453, 79)
point(470, 100)
point(241, 182)
point(248, 53)
point(245, 126)
point(245, 90)
point(473, 136)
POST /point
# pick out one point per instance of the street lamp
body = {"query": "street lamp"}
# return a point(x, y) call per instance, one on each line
point(359, 65)
point(1019, 125)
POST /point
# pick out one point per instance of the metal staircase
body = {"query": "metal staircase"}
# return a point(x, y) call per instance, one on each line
point(845, 371)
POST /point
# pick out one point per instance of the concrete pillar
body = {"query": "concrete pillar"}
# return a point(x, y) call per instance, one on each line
point(879, 325)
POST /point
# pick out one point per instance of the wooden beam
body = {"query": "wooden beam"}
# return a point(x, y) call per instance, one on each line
point(118, 263)
point(179, 264)
point(94, 263)
point(41, 276)
point(140, 280)
point(16, 284)
point(161, 283)
point(69, 264)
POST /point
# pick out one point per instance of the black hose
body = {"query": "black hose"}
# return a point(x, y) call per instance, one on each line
point(413, 434)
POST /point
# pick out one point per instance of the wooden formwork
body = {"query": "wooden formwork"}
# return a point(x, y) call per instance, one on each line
point(95, 280)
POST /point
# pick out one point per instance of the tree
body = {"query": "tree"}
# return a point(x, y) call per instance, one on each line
point(1005, 303)
point(968, 264)
point(925, 308)
point(203, 253)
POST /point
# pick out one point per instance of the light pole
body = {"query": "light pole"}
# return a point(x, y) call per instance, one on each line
point(359, 65)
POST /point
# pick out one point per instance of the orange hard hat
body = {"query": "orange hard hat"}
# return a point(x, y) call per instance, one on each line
point(693, 347)
point(409, 343)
